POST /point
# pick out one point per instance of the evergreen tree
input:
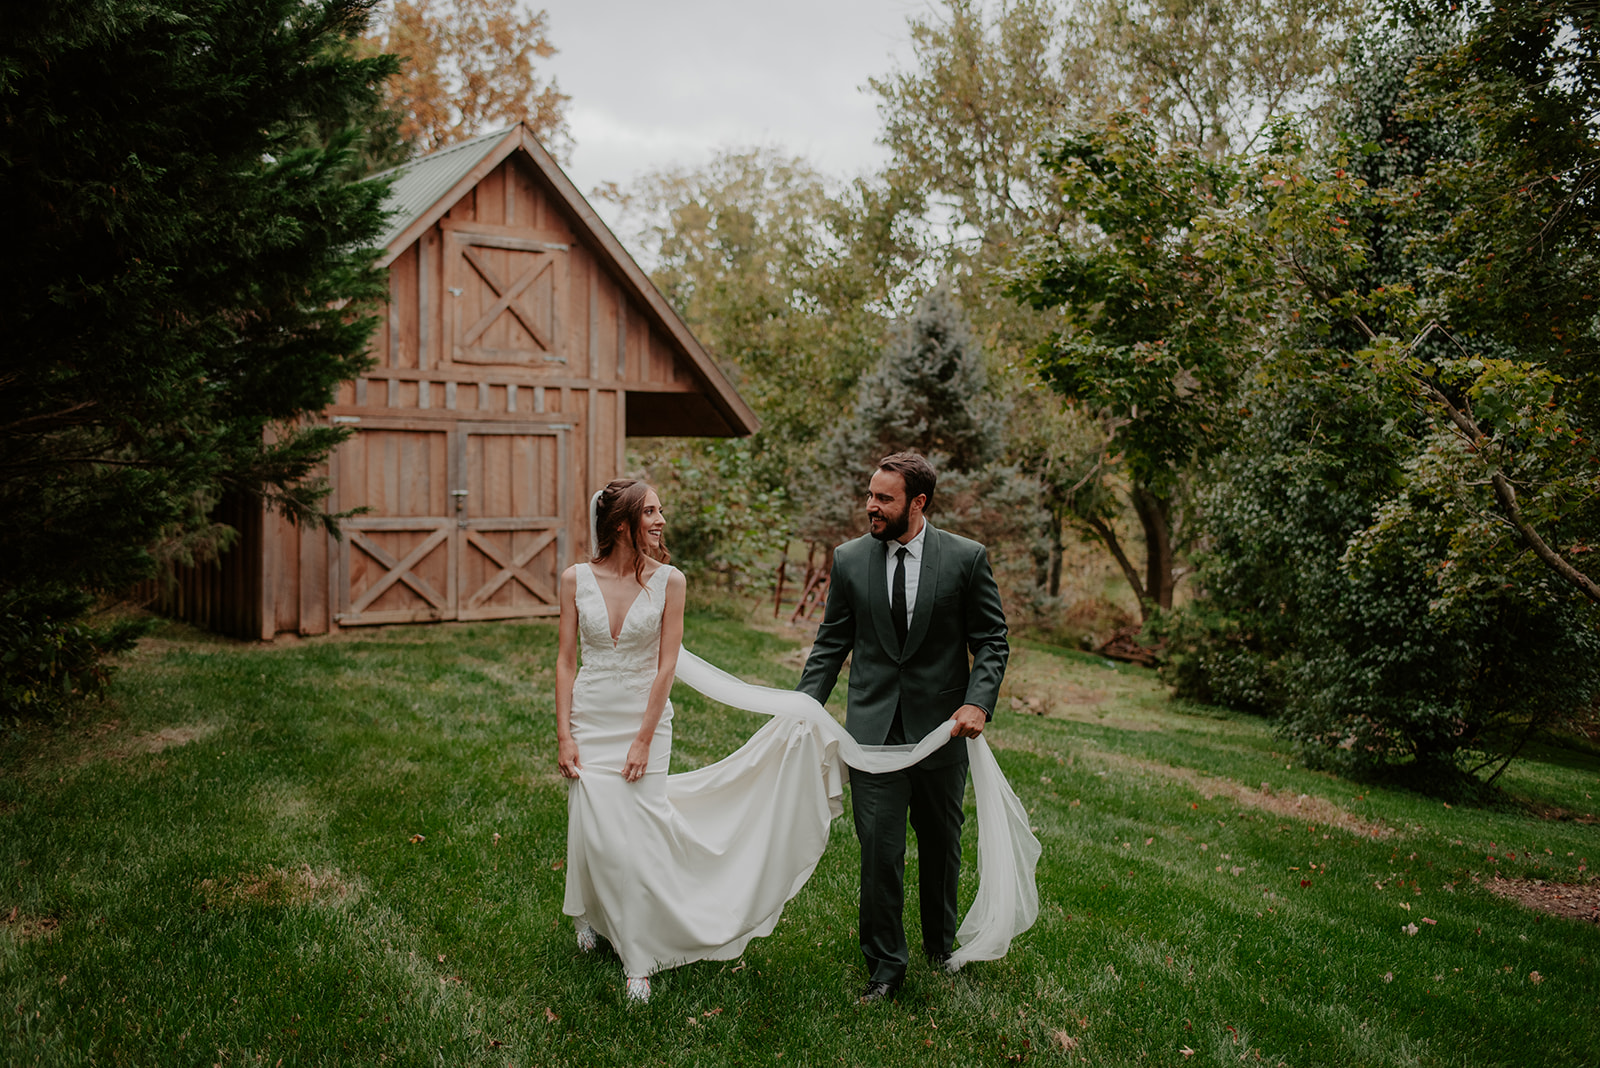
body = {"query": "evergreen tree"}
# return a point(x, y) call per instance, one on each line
point(928, 393)
point(187, 275)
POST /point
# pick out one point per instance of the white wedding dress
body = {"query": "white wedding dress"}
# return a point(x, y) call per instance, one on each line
point(679, 868)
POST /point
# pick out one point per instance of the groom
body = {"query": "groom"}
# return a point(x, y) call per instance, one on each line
point(908, 604)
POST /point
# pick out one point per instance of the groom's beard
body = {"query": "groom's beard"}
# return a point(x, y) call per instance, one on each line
point(893, 526)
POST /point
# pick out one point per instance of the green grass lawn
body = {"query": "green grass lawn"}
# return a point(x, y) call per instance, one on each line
point(349, 851)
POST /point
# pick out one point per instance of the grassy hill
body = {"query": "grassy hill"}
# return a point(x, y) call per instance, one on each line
point(350, 851)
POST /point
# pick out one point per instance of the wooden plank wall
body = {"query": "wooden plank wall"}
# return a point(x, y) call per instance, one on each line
point(224, 594)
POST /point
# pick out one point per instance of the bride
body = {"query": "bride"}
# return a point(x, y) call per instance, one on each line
point(671, 869)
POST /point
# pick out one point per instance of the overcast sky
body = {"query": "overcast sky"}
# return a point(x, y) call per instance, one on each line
point(667, 83)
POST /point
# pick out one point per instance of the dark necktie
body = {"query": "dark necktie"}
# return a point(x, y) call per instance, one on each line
point(897, 603)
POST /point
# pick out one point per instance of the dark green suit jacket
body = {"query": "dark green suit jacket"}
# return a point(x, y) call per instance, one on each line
point(957, 612)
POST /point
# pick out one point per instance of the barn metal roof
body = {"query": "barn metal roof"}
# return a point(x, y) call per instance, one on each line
point(419, 184)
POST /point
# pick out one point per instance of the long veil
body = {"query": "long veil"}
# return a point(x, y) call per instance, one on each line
point(1007, 900)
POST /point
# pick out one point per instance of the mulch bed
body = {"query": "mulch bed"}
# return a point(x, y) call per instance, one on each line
point(1124, 645)
point(1577, 901)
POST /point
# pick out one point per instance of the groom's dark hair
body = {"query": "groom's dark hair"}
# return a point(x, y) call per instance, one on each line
point(917, 472)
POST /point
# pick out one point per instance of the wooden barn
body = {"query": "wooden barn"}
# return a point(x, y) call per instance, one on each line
point(522, 347)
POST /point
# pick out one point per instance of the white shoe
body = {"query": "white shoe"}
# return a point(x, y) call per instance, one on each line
point(639, 989)
point(587, 939)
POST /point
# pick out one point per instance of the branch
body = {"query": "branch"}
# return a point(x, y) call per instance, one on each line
point(1507, 495)
point(1109, 536)
point(60, 416)
point(1533, 725)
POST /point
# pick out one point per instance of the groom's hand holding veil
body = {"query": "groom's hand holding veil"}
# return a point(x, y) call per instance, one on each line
point(969, 721)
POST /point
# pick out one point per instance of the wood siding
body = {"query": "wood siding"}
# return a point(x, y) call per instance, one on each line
point(224, 594)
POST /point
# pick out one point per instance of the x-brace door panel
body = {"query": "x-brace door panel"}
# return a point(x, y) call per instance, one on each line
point(512, 534)
point(507, 297)
point(397, 559)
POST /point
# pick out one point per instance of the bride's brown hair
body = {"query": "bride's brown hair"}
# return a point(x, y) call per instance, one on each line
point(622, 501)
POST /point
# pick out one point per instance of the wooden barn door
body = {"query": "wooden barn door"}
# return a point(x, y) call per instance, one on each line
point(508, 294)
point(513, 536)
point(397, 560)
point(462, 522)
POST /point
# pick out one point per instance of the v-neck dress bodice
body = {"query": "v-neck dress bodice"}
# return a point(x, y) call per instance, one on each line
point(634, 653)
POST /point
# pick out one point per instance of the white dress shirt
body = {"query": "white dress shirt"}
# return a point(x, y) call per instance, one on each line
point(913, 569)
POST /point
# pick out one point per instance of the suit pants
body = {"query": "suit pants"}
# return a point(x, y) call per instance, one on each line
point(880, 804)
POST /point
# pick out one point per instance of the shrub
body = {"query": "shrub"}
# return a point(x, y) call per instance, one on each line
point(49, 655)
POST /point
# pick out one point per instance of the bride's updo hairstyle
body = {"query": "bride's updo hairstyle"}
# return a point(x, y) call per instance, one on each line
point(622, 503)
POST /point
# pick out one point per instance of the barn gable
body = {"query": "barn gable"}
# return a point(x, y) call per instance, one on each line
point(466, 198)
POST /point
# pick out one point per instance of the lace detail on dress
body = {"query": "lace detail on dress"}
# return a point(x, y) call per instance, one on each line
point(636, 652)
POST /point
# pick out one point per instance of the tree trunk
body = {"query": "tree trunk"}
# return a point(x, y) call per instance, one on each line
point(1154, 516)
point(1131, 573)
point(1055, 556)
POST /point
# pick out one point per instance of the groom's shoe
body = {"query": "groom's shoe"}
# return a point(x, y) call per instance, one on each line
point(878, 992)
point(940, 961)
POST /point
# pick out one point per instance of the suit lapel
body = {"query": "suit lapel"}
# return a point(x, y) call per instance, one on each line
point(878, 596)
point(927, 590)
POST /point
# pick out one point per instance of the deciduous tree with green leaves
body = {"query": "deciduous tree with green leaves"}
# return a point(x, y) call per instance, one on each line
point(1160, 313)
point(964, 123)
point(1393, 531)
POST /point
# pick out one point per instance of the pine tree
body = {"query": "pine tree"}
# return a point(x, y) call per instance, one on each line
point(927, 393)
point(186, 275)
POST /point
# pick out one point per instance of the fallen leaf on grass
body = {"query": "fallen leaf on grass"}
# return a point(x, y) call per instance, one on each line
point(1186, 1051)
point(1065, 1041)
point(1388, 977)
point(1430, 923)
point(712, 1012)
point(1410, 929)
point(557, 865)
point(549, 1016)
point(418, 838)
point(1535, 978)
